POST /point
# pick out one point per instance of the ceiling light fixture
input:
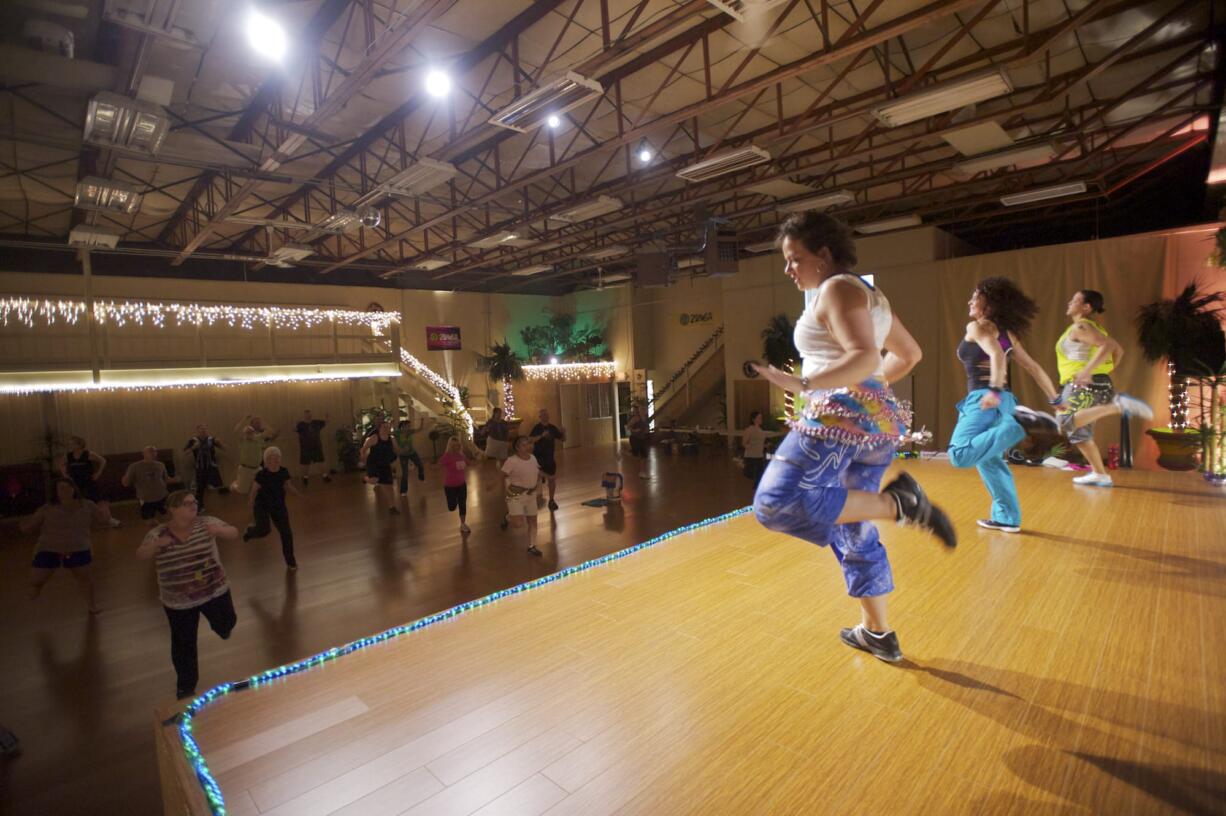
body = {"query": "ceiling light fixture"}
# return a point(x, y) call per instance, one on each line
point(438, 83)
point(534, 108)
point(725, 163)
point(1043, 194)
point(1005, 158)
point(531, 270)
point(266, 36)
point(889, 224)
point(554, 121)
point(602, 205)
point(821, 202)
point(645, 153)
point(944, 98)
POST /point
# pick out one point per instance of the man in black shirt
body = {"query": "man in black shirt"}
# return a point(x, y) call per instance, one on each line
point(543, 437)
point(204, 447)
point(311, 446)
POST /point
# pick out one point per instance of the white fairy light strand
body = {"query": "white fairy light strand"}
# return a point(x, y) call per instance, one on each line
point(25, 389)
point(28, 312)
point(420, 369)
point(570, 371)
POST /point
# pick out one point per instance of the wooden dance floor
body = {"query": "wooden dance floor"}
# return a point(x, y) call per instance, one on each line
point(1075, 668)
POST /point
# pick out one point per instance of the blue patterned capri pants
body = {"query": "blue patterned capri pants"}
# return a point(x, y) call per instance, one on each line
point(803, 491)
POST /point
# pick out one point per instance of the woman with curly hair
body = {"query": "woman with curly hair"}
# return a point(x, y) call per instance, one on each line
point(990, 421)
point(824, 483)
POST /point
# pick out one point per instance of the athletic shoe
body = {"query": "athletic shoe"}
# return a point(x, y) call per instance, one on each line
point(534, 551)
point(114, 522)
point(1093, 479)
point(292, 566)
point(553, 505)
point(644, 475)
point(246, 535)
point(915, 510)
point(395, 511)
point(883, 647)
point(305, 481)
point(421, 476)
point(464, 528)
point(999, 526)
point(1131, 406)
point(327, 477)
point(1035, 421)
point(502, 525)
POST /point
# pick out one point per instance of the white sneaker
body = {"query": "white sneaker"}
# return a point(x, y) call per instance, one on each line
point(1131, 406)
point(464, 528)
point(1094, 480)
point(114, 522)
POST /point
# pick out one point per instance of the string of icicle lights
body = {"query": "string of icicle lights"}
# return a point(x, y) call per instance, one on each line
point(30, 312)
point(26, 389)
point(426, 373)
point(212, 790)
point(570, 371)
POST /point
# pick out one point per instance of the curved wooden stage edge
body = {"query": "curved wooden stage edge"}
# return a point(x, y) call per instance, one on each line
point(1075, 668)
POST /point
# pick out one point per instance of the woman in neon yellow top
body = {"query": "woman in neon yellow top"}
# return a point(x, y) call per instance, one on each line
point(1085, 356)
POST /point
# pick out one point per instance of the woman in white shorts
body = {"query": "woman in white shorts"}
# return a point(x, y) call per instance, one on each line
point(496, 437)
point(522, 479)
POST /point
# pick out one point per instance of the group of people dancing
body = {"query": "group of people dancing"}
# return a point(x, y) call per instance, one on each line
point(823, 485)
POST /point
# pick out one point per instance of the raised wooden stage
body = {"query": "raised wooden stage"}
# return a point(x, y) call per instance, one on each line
point(1075, 668)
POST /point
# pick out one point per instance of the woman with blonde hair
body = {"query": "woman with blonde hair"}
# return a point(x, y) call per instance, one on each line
point(268, 504)
point(455, 461)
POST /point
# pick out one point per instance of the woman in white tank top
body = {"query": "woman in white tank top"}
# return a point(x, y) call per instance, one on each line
point(822, 484)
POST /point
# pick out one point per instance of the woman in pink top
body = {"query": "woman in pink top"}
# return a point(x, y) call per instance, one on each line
point(455, 479)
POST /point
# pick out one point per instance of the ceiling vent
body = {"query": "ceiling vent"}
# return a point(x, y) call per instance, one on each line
point(592, 209)
point(724, 164)
point(289, 254)
point(744, 10)
point(93, 237)
point(492, 241)
point(116, 121)
point(1006, 158)
point(534, 108)
point(821, 202)
point(418, 178)
point(1043, 194)
point(944, 98)
point(889, 224)
point(428, 264)
point(528, 271)
point(104, 195)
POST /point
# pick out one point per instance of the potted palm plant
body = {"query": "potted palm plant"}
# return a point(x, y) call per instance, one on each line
point(503, 365)
point(779, 350)
point(1186, 332)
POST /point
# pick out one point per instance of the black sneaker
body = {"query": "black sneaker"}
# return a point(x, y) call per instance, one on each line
point(183, 694)
point(999, 526)
point(534, 551)
point(1035, 422)
point(915, 510)
point(246, 535)
point(553, 505)
point(883, 647)
point(327, 477)
point(305, 481)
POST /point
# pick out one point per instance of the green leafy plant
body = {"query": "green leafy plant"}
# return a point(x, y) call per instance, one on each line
point(1186, 331)
point(502, 365)
point(563, 338)
point(778, 349)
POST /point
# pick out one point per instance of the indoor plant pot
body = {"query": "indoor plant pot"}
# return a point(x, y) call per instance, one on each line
point(1177, 450)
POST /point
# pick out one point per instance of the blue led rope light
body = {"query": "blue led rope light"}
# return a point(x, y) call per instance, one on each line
point(212, 791)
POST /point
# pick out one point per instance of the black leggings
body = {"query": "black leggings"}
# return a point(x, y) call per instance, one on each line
point(209, 477)
point(278, 515)
point(219, 612)
point(457, 497)
point(638, 446)
point(404, 470)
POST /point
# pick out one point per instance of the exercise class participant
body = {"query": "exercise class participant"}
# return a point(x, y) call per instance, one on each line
point(822, 485)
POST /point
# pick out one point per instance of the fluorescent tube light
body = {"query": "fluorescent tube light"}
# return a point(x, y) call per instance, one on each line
point(1005, 158)
point(889, 224)
point(944, 98)
point(1043, 194)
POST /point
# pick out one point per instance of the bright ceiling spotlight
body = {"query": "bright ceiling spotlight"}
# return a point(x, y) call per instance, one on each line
point(554, 121)
point(438, 84)
point(644, 152)
point(553, 360)
point(266, 36)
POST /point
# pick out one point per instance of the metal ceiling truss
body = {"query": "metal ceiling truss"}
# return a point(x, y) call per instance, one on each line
point(497, 189)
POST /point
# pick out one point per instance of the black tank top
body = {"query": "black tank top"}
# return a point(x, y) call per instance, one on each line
point(382, 453)
point(977, 363)
point(80, 468)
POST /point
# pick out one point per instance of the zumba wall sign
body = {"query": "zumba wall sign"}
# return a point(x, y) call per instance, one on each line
point(695, 318)
point(442, 338)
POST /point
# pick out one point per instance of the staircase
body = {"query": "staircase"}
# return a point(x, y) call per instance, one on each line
point(690, 389)
point(429, 392)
